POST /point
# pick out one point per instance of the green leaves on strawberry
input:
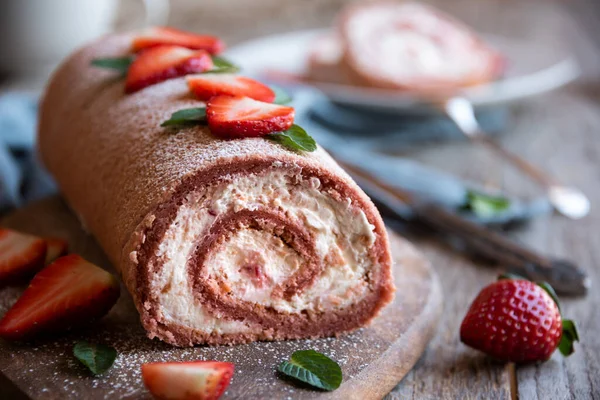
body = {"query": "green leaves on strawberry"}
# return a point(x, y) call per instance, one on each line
point(313, 368)
point(569, 336)
point(516, 320)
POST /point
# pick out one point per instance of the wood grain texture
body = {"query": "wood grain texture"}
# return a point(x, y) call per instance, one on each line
point(560, 133)
point(373, 359)
point(570, 148)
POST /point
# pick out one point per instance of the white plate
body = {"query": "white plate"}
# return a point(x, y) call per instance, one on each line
point(532, 70)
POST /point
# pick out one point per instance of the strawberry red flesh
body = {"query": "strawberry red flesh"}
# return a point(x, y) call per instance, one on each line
point(239, 117)
point(201, 380)
point(165, 62)
point(56, 248)
point(158, 36)
point(513, 320)
point(67, 293)
point(21, 255)
point(206, 86)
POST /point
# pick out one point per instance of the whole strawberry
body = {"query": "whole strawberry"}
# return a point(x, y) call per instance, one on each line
point(519, 321)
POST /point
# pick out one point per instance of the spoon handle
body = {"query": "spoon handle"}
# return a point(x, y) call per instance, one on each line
point(569, 201)
point(460, 111)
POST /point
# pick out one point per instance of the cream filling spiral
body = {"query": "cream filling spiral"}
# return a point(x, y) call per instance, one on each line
point(255, 263)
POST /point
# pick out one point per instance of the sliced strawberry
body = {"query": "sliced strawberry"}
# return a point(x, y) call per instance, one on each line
point(69, 292)
point(201, 380)
point(56, 248)
point(208, 85)
point(165, 62)
point(238, 116)
point(157, 36)
point(21, 255)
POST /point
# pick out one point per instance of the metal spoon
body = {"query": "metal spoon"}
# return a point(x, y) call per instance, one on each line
point(568, 201)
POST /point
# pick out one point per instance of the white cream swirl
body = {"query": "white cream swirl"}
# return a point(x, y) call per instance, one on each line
point(251, 263)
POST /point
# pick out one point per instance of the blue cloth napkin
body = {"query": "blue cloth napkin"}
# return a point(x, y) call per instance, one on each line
point(22, 179)
point(356, 136)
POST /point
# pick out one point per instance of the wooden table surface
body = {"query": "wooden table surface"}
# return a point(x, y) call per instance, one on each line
point(559, 132)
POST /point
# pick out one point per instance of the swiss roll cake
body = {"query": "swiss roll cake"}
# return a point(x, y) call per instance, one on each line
point(218, 240)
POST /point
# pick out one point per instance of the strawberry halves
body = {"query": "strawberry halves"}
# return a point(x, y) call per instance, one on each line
point(67, 293)
point(201, 380)
point(161, 63)
point(239, 116)
point(158, 36)
point(206, 86)
point(21, 255)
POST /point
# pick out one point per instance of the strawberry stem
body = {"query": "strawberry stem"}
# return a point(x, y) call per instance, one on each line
point(569, 336)
point(511, 276)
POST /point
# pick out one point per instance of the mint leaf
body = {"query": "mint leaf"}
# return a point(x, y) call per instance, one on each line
point(281, 97)
point(313, 368)
point(295, 138)
point(120, 64)
point(97, 357)
point(187, 117)
point(222, 65)
point(485, 205)
point(569, 336)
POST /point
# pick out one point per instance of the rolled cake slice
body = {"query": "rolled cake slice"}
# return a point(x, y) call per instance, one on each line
point(324, 60)
point(218, 241)
point(413, 47)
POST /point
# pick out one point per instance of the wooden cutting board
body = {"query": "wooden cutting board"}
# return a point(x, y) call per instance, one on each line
point(373, 359)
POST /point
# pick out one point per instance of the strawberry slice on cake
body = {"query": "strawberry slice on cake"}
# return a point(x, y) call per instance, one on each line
point(67, 293)
point(165, 62)
point(201, 380)
point(206, 86)
point(20, 255)
point(240, 116)
point(158, 36)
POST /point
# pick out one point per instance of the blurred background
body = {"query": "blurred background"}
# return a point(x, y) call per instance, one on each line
point(36, 34)
point(52, 28)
